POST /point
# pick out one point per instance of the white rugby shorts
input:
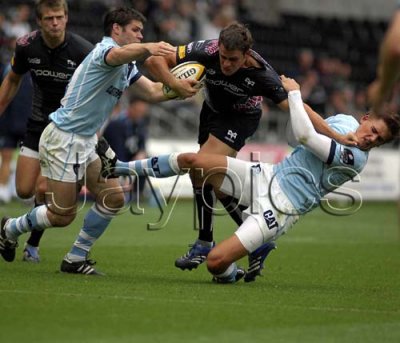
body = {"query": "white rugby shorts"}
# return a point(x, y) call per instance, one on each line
point(270, 213)
point(64, 156)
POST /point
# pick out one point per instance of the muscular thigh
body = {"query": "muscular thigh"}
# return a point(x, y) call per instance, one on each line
point(62, 197)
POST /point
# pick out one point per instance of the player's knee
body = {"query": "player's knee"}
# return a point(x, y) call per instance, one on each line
point(61, 219)
point(187, 160)
point(24, 192)
point(216, 262)
point(115, 201)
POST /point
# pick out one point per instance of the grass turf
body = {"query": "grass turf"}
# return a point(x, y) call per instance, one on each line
point(332, 279)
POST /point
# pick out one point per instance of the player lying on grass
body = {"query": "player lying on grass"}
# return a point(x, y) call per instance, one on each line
point(276, 195)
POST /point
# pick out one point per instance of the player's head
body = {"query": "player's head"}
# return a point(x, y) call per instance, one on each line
point(124, 25)
point(235, 42)
point(377, 130)
point(52, 17)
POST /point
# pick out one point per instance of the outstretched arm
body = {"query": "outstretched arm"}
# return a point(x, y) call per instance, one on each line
point(8, 89)
point(302, 127)
point(321, 126)
point(137, 51)
point(149, 90)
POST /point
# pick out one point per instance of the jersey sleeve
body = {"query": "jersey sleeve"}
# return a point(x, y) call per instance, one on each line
point(270, 86)
point(19, 61)
point(346, 156)
point(199, 51)
point(100, 53)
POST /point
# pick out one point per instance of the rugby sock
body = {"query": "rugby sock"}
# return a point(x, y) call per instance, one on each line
point(34, 219)
point(95, 223)
point(160, 166)
point(235, 210)
point(205, 198)
point(36, 235)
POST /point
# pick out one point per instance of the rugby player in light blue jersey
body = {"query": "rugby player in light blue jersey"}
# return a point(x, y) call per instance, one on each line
point(276, 195)
point(67, 145)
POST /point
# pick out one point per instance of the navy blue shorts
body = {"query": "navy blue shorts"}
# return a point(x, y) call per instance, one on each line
point(231, 129)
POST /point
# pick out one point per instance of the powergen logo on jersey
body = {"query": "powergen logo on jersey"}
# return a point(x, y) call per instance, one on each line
point(187, 70)
point(51, 73)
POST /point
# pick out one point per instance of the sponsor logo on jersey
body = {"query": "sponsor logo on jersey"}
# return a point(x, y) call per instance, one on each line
point(71, 64)
point(249, 82)
point(231, 136)
point(181, 52)
point(34, 60)
point(211, 71)
point(250, 104)
point(347, 157)
point(114, 91)
point(228, 86)
point(212, 48)
point(51, 73)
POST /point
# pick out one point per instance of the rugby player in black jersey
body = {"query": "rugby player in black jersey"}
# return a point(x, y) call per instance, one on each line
point(51, 55)
point(236, 80)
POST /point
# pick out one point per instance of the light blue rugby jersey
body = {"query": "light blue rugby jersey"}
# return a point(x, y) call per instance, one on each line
point(305, 179)
point(93, 91)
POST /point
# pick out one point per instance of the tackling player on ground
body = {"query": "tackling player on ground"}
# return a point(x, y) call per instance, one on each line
point(276, 195)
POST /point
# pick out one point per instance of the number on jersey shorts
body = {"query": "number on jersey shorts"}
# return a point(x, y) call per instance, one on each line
point(271, 211)
point(64, 156)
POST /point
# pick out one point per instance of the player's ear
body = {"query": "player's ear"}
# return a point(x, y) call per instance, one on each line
point(365, 117)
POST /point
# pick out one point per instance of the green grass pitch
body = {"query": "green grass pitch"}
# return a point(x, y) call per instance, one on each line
point(332, 279)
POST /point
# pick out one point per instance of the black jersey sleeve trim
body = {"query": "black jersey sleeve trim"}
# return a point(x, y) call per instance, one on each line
point(135, 78)
point(331, 152)
point(105, 57)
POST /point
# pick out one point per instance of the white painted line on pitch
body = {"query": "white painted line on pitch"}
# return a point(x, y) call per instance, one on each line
point(126, 297)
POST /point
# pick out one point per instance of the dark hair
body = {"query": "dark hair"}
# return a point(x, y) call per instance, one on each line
point(121, 16)
point(392, 121)
point(53, 4)
point(236, 36)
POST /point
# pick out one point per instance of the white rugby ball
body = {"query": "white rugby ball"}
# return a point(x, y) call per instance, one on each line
point(187, 70)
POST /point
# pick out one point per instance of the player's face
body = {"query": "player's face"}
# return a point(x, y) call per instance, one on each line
point(131, 33)
point(372, 132)
point(53, 23)
point(230, 60)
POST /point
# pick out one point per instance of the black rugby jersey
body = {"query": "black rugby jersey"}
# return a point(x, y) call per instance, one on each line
point(50, 69)
point(241, 92)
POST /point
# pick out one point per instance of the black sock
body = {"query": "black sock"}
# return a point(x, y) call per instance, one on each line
point(36, 235)
point(205, 199)
point(235, 211)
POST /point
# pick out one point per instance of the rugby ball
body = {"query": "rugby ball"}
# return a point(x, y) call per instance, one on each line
point(188, 70)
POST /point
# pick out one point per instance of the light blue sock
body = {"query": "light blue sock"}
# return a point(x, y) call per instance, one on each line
point(229, 275)
point(94, 225)
point(160, 166)
point(34, 219)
